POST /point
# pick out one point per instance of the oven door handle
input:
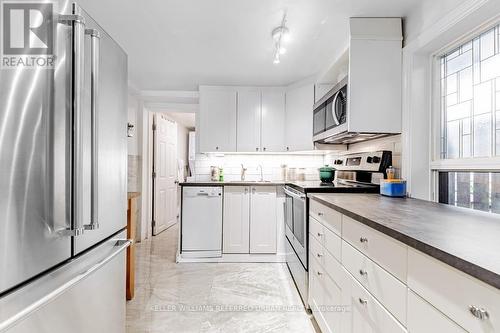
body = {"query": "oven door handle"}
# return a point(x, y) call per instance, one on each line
point(295, 195)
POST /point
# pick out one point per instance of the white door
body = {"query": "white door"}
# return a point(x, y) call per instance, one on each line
point(217, 120)
point(263, 219)
point(236, 230)
point(248, 124)
point(273, 121)
point(164, 173)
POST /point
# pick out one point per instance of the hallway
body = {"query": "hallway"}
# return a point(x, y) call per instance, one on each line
point(207, 297)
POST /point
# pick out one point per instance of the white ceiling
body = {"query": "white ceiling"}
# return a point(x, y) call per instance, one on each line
point(184, 118)
point(179, 44)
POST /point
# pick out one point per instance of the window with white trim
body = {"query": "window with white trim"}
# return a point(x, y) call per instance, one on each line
point(470, 121)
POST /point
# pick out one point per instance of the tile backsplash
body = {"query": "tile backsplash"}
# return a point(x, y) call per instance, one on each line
point(271, 165)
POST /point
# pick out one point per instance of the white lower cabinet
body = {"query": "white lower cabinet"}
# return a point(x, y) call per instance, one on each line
point(236, 225)
point(249, 223)
point(263, 219)
point(424, 318)
point(388, 287)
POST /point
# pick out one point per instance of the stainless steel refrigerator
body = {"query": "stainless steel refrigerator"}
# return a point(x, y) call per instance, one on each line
point(63, 164)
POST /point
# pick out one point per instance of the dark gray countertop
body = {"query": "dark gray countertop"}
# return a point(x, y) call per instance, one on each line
point(466, 239)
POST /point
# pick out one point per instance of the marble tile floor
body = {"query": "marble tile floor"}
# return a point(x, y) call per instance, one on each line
point(209, 297)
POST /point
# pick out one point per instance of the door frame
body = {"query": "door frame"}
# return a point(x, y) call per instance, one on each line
point(146, 142)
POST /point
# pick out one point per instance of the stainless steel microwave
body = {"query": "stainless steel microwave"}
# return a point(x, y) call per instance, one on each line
point(330, 112)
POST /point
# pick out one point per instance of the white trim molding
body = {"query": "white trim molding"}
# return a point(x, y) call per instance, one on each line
point(467, 164)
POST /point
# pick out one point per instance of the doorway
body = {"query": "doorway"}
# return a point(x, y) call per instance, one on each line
point(169, 166)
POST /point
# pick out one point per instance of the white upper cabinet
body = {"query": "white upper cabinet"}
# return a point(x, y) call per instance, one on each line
point(249, 120)
point(374, 98)
point(255, 119)
point(273, 121)
point(299, 120)
point(217, 119)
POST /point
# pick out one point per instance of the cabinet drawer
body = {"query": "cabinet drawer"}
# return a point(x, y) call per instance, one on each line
point(324, 298)
point(424, 318)
point(454, 292)
point(386, 288)
point(333, 243)
point(327, 238)
point(327, 262)
point(384, 250)
point(316, 229)
point(329, 217)
point(316, 250)
point(369, 315)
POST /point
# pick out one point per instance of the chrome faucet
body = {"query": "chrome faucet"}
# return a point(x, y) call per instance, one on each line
point(243, 171)
point(261, 173)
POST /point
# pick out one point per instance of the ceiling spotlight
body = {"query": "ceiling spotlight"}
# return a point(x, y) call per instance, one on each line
point(280, 35)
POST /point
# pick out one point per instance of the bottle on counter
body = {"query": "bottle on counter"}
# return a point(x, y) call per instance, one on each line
point(221, 174)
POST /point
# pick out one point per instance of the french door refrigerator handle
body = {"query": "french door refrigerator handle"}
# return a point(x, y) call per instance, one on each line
point(77, 21)
point(94, 88)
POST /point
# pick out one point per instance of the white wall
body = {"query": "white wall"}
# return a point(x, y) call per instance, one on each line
point(133, 116)
point(182, 146)
point(434, 26)
point(427, 13)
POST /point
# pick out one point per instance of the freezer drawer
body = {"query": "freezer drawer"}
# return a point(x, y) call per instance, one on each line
point(201, 223)
point(84, 295)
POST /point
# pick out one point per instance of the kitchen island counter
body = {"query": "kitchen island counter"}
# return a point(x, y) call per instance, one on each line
point(462, 238)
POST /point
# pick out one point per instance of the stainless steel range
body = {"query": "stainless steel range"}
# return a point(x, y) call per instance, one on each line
point(355, 173)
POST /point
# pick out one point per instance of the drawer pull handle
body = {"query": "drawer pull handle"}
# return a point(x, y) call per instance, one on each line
point(363, 301)
point(320, 214)
point(363, 240)
point(319, 273)
point(319, 255)
point(362, 272)
point(320, 234)
point(478, 312)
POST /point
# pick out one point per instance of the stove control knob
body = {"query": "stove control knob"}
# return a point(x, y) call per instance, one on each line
point(376, 159)
point(338, 162)
point(369, 159)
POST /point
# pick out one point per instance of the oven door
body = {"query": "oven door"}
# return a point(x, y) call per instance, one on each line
point(296, 225)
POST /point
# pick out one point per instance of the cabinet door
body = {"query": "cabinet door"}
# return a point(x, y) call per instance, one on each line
point(299, 120)
point(263, 219)
point(273, 121)
point(217, 119)
point(236, 219)
point(423, 317)
point(248, 123)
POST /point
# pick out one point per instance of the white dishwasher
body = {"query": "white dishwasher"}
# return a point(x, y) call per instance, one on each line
point(201, 222)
